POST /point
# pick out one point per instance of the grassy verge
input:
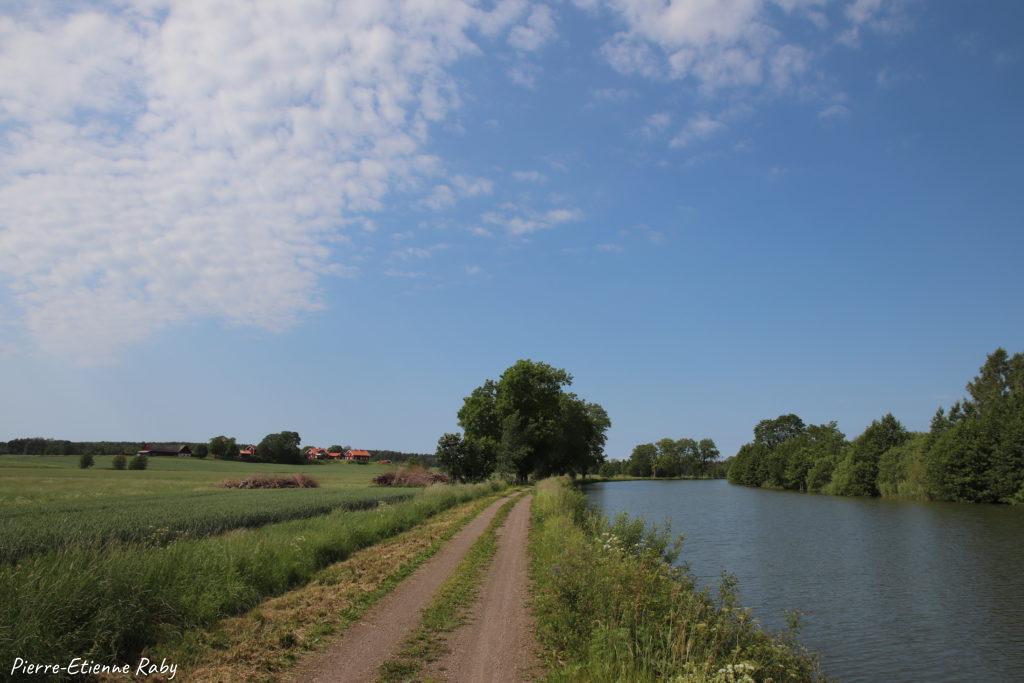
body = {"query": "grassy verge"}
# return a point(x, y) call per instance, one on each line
point(447, 611)
point(108, 604)
point(273, 636)
point(610, 606)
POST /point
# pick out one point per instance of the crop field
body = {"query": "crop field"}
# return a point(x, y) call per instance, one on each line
point(48, 503)
point(103, 563)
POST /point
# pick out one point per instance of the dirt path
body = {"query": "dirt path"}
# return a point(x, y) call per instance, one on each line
point(357, 654)
point(496, 644)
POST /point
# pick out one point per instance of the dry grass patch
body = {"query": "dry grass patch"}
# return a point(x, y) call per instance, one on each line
point(263, 643)
point(267, 481)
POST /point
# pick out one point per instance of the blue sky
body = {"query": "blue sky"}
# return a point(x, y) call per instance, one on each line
point(340, 219)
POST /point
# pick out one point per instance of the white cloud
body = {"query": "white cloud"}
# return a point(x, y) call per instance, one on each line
point(473, 187)
point(197, 160)
point(441, 197)
point(518, 222)
point(700, 127)
point(537, 31)
point(418, 253)
point(727, 44)
point(529, 176)
point(473, 270)
point(608, 248)
point(834, 111)
point(656, 123)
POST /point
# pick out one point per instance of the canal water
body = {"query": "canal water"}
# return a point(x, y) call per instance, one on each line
point(887, 590)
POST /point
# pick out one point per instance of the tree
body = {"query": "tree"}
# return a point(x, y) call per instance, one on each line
point(707, 452)
point(463, 460)
point(282, 447)
point(85, 461)
point(200, 451)
point(337, 448)
point(223, 448)
point(856, 474)
point(139, 462)
point(531, 426)
point(641, 461)
point(771, 433)
point(119, 462)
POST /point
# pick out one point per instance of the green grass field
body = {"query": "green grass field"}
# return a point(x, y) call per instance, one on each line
point(48, 503)
point(103, 563)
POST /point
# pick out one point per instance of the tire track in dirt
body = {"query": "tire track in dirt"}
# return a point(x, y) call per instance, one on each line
point(366, 644)
point(496, 644)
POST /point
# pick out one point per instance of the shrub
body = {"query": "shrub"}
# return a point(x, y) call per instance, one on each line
point(139, 462)
point(85, 461)
point(200, 451)
point(413, 476)
point(120, 461)
point(266, 481)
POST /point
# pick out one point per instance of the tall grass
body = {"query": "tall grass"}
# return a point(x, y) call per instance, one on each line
point(158, 520)
point(110, 602)
point(611, 607)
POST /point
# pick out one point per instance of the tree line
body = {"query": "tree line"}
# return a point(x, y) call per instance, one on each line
point(669, 458)
point(525, 424)
point(974, 452)
point(282, 447)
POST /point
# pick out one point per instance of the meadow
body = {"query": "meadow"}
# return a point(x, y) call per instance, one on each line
point(48, 503)
point(101, 587)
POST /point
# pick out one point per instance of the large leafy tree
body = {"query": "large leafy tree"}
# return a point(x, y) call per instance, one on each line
point(223, 448)
point(463, 460)
point(282, 447)
point(857, 471)
point(526, 423)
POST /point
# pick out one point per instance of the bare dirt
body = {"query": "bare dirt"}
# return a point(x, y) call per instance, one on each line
point(378, 636)
point(496, 644)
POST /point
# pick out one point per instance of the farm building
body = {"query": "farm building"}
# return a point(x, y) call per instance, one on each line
point(315, 453)
point(165, 449)
point(356, 455)
point(247, 453)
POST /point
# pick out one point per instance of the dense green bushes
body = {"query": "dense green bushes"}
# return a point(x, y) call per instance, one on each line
point(610, 607)
point(108, 602)
point(973, 453)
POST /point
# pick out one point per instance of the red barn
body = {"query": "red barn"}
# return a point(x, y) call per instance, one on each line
point(355, 455)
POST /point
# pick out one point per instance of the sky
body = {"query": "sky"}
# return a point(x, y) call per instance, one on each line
point(338, 218)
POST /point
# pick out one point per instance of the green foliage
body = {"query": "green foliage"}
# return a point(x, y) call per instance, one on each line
point(282, 447)
point(674, 458)
point(200, 450)
point(610, 606)
point(788, 454)
point(856, 474)
point(974, 452)
point(138, 462)
point(463, 460)
point(131, 595)
point(85, 461)
point(641, 462)
point(119, 461)
point(528, 425)
point(223, 448)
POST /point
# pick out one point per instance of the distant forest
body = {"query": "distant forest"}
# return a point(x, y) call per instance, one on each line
point(45, 446)
point(669, 459)
point(974, 452)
